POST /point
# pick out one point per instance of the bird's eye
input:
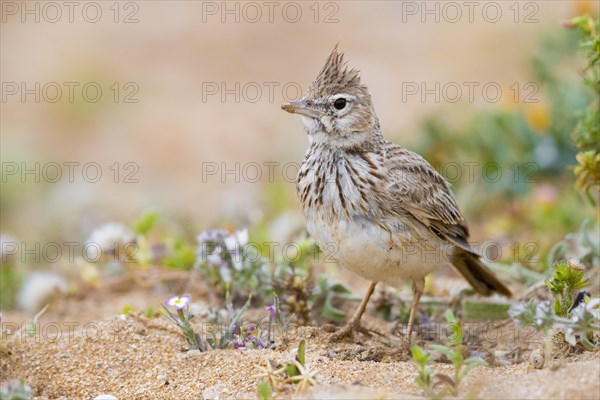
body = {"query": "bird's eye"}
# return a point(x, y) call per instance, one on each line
point(340, 103)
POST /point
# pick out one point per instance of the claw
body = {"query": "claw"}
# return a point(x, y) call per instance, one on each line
point(344, 331)
point(354, 323)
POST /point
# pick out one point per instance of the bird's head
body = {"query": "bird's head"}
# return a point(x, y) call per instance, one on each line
point(337, 108)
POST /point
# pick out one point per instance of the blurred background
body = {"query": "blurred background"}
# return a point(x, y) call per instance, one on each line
point(113, 110)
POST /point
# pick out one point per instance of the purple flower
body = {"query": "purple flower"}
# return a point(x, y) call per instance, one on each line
point(257, 343)
point(210, 248)
point(272, 310)
point(250, 328)
point(178, 302)
point(215, 235)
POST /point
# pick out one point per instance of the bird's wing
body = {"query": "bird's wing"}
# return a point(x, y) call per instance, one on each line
point(419, 189)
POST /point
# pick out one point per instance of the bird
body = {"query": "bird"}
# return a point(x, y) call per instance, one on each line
point(391, 217)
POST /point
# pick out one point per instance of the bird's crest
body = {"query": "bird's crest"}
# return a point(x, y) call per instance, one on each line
point(335, 77)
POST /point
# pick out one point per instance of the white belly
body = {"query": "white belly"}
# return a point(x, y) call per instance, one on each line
point(372, 253)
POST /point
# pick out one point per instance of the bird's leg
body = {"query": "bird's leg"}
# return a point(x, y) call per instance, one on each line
point(354, 322)
point(417, 292)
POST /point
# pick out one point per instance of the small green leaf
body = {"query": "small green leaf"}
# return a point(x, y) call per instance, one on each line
point(150, 312)
point(455, 328)
point(127, 310)
point(330, 312)
point(450, 317)
point(448, 352)
point(146, 222)
point(301, 350)
point(291, 370)
point(475, 361)
point(421, 356)
point(264, 391)
point(339, 288)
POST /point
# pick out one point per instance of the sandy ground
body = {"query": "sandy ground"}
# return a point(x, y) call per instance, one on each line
point(136, 357)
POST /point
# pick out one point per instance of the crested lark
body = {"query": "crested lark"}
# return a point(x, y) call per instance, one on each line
point(391, 216)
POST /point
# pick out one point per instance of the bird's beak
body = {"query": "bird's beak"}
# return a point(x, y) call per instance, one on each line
point(301, 107)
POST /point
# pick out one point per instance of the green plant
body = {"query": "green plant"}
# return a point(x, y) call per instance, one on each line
point(271, 374)
point(179, 254)
point(584, 324)
point(325, 296)
point(425, 375)
point(293, 280)
point(577, 317)
point(580, 327)
point(182, 319)
point(564, 281)
point(145, 223)
point(264, 390)
point(454, 352)
point(232, 263)
point(229, 261)
point(140, 245)
point(10, 281)
point(127, 309)
point(579, 322)
point(295, 372)
point(151, 312)
point(586, 134)
point(231, 331)
point(225, 328)
point(161, 248)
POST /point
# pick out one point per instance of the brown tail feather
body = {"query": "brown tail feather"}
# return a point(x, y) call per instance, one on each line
point(483, 280)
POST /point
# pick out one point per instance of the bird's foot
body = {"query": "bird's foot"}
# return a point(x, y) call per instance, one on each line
point(348, 330)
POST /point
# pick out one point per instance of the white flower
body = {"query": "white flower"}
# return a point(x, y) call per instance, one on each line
point(178, 302)
point(214, 258)
point(236, 259)
point(236, 241)
point(242, 236)
point(231, 243)
point(41, 288)
point(110, 236)
point(210, 248)
point(226, 275)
